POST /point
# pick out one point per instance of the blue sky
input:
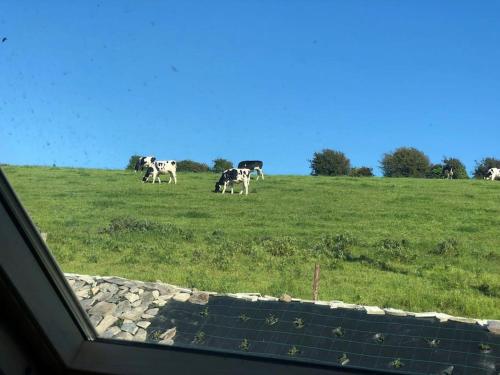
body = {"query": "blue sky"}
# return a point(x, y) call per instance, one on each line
point(89, 83)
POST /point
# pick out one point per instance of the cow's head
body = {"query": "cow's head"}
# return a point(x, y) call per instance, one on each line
point(222, 182)
point(138, 164)
point(148, 173)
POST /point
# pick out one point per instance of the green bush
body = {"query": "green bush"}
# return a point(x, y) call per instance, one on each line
point(447, 247)
point(131, 162)
point(191, 166)
point(436, 171)
point(280, 247)
point(396, 249)
point(361, 172)
point(131, 225)
point(482, 166)
point(220, 165)
point(405, 162)
point(459, 171)
point(330, 163)
point(337, 246)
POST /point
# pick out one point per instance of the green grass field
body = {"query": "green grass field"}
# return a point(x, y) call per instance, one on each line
point(419, 245)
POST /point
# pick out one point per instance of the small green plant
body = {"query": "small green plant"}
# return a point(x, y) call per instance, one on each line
point(244, 345)
point(218, 233)
point(488, 290)
point(379, 338)
point(397, 363)
point(244, 317)
point(343, 359)
point(298, 323)
point(280, 247)
point(271, 320)
point(155, 335)
point(119, 322)
point(396, 249)
point(222, 258)
point(338, 331)
point(204, 312)
point(433, 343)
point(199, 338)
point(336, 246)
point(447, 247)
point(485, 348)
point(293, 351)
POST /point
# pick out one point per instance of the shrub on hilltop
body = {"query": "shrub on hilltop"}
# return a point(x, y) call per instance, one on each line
point(330, 163)
point(405, 162)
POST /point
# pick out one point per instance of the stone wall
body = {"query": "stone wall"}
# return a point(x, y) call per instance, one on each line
point(123, 309)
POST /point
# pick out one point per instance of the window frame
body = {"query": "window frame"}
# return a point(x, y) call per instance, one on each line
point(47, 301)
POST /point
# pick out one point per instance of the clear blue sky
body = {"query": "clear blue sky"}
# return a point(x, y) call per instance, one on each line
point(89, 83)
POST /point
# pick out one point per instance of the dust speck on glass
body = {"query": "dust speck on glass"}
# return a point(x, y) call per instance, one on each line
point(311, 181)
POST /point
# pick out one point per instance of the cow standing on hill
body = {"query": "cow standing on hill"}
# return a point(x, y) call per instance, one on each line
point(448, 172)
point(233, 176)
point(492, 174)
point(253, 165)
point(144, 161)
point(161, 167)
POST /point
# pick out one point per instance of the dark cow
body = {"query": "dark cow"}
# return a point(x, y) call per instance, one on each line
point(144, 161)
point(161, 167)
point(253, 165)
point(233, 176)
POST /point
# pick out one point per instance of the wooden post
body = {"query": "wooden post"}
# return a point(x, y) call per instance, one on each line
point(316, 282)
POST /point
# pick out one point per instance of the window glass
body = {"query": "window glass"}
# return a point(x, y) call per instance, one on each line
point(360, 139)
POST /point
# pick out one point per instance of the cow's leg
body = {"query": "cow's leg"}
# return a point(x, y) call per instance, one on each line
point(224, 188)
point(247, 183)
point(174, 175)
point(261, 173)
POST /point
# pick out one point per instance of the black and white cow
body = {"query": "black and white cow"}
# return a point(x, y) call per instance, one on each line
point(253, 165)
point(144, 161)
point(492, 174)
point(448, 172)
point(161, 167)
point(233, 176)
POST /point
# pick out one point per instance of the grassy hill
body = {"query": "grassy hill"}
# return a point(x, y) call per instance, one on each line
point(414, 244)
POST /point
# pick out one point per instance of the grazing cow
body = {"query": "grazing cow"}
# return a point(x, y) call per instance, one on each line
point(492, 174)
point(144, 161)
point(233, 176)
point(253, 165)
point(161, 167)
point(448, 172)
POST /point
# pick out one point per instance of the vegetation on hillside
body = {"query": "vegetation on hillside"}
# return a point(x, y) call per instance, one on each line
point(405, 162)
point(481, 169)
point(220, 165)
point(191, 166)
point(330, 163)
point(415, 244)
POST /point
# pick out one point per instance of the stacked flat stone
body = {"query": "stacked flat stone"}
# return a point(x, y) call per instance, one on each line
point(123, 309)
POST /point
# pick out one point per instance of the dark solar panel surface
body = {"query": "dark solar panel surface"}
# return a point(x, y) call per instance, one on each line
point(336, 337)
